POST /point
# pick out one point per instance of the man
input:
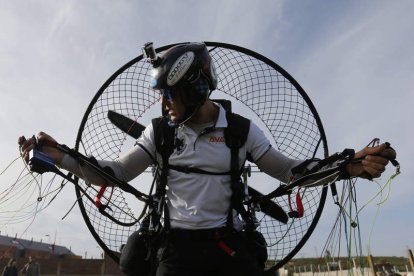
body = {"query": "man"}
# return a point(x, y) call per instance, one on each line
point(31, 268)
point(203, 235)
point(11, 268)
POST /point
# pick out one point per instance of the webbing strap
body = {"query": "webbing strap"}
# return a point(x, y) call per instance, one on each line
point(164, 142)
point(195, 170)
point(235, 136)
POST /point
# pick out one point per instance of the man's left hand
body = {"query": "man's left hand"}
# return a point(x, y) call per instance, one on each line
point(373, 163)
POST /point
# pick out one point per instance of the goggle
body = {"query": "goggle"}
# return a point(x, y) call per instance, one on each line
point(169, 93)
point(200, 86)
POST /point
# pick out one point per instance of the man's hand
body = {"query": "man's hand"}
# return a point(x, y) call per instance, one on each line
point(373, 163)
point(26, 145)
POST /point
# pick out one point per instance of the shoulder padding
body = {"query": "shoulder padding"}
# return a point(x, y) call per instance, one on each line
point(163, 135)
point(237, 130)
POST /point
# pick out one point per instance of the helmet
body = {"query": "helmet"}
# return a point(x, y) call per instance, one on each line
point(189, 66)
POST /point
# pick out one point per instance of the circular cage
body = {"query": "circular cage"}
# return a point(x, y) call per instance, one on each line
point(258, 89)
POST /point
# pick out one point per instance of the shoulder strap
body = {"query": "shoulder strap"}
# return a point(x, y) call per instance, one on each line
point(235, 136)
point(164, 143)
point(237, 130)
point(164, 136)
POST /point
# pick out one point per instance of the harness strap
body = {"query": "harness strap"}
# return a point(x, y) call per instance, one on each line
point(185, 169)
point(235, 136)
point(164, 141)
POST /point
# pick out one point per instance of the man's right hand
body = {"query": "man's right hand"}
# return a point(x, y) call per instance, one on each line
point(26, 145)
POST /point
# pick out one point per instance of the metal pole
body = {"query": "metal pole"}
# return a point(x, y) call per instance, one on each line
point(372, 265)
point(411, 259)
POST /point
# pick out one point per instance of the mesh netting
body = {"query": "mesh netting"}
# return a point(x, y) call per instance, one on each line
point(259, 89)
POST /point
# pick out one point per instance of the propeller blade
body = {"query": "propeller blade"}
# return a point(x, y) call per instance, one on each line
point(269, 207)
point(127, 125)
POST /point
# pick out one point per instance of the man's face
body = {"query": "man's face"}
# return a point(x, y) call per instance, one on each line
point(173, 104)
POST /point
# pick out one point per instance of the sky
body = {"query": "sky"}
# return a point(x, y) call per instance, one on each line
point(353, 58)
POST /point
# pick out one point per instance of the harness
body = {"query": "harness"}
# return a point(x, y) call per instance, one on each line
point(235, 136)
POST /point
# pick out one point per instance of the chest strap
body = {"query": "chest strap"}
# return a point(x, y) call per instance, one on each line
point(185, 169)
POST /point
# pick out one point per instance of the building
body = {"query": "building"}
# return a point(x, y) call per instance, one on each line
point(20, 248)
point(53, 259)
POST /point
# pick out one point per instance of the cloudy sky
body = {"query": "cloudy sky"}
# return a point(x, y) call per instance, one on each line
point(353, 58)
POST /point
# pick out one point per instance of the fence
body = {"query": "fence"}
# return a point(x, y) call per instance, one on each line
point(335, 269)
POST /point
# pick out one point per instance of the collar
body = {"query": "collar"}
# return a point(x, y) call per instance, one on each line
point(221, 122)
point(221, 119)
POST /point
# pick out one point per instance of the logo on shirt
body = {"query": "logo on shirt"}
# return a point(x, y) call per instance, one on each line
point(179, 146)
point(216, 139)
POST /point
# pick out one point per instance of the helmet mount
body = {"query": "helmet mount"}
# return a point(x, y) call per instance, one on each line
point(149, 53)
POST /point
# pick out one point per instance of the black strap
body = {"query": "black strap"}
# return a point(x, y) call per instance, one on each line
point(164, 143)
point(185, 169)
point(235, 136)
point(303, 169)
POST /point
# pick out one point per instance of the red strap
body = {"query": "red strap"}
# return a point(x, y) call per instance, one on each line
point(299, 204)
point(98, 202)
point(226, 248)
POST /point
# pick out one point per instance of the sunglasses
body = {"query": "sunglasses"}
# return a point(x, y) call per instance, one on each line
point(198, 87)
point(170, 93)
